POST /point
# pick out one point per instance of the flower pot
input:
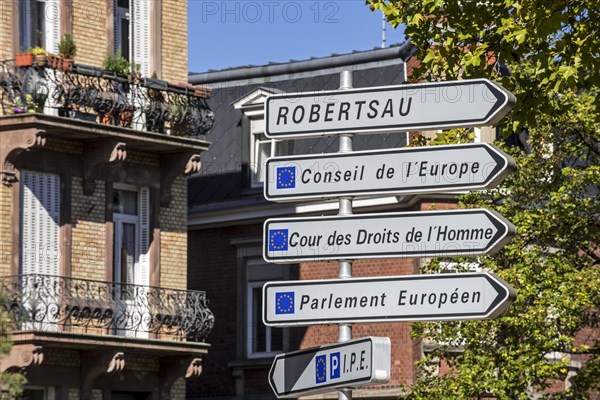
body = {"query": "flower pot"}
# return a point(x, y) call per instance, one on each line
point(125, 119)
point(66, 64)
point(40, 60)
point(24, 60)
point(54, 62)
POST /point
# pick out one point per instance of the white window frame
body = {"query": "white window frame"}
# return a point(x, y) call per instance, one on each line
point(251, 323)
point(142, 231)
point(142, 244)
point(257, 141)
point(252, 283)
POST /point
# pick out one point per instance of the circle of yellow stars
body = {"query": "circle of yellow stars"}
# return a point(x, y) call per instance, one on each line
point(291, 303)
point(321, 369)
point(292, 177)
point(282, 245)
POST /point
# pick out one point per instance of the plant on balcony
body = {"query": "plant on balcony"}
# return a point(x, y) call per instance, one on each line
point(10, 382)
point(116, 63)
point(40, 56)
point(27, 103)
point(67, 49)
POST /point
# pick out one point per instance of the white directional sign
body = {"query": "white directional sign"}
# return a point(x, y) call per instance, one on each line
point(323, 369)
point(405, 234)
point(408, 170)
point(390, 299)
point(420, 106)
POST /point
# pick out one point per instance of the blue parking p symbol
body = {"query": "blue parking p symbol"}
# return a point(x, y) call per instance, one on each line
point(335, 365)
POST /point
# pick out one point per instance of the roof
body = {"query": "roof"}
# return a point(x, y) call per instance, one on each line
point(401, 51)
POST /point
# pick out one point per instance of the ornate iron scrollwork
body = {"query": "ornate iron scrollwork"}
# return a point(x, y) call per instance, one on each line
point(54, 303)
point(93, 94)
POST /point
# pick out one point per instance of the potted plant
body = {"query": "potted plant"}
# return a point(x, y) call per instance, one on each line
point(53, 60)
point(24, 59)
point(67, 50)
point(116, 63)
point(40, 56)
point(116, 67)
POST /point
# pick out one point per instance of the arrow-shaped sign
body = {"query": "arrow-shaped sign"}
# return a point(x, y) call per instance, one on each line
point(391, 299)
point(422, 106)
point(323, 369)
point(409, 170)
point(405, 234)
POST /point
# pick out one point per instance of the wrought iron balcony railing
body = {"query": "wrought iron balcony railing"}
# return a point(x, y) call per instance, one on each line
point(106, 97)
point(54, 303)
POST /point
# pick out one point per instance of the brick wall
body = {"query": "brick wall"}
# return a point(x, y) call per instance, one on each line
point(173, 238)
point(8, 248)
point(212, 267)
point(7, 10)
point(88, 232)
point(174, 41)
point(90, 31)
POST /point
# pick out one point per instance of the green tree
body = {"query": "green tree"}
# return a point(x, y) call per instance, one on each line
point(546, 53)
point(11, 383)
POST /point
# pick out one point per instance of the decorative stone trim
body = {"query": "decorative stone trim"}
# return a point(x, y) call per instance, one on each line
point(173, 165)
point(22, 356)
point(13, 143)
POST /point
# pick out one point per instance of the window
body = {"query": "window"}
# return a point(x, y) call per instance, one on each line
point(132, 32)
point(131, 263)
point(261, 148)
point(39, 24)
point(122, 22)
point(40, 223)
point(38, 393)
point(130, 218)
point(262, 340)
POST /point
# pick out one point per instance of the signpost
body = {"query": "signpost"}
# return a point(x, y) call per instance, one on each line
point(415, 170)
point(422, 106)
point(345, 237)
point(405, 234)
point(440, 297)
point(322, 369)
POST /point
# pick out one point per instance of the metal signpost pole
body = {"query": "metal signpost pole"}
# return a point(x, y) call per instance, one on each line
point(345, 267)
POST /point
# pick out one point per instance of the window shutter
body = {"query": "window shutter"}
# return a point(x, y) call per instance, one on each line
point(144, 265)
point(40, 221)
point(140, 29)
point(53, 16)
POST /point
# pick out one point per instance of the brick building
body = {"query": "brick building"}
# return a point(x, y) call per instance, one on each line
point(93, 200)
point(227, 210)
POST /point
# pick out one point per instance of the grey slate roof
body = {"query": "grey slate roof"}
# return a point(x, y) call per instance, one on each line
point(223, 177)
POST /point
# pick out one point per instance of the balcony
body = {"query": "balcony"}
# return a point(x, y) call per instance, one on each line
point(57, 304)
point(92, 94)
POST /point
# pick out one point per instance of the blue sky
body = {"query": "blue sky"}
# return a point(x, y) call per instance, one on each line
point(232, 33)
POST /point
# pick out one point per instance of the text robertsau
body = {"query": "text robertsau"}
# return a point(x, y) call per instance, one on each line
point(439, 105)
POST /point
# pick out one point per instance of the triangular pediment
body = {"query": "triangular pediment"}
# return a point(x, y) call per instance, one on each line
point(254, 99)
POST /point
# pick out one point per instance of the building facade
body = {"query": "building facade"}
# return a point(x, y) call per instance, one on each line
point(93, 200)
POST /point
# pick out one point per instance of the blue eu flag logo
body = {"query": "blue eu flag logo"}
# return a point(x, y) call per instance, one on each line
point(278, 239)
point(284, 302)
point(321, 368)
point(286, 177)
